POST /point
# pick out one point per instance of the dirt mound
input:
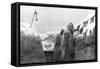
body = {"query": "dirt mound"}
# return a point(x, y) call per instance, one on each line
point(31, 50)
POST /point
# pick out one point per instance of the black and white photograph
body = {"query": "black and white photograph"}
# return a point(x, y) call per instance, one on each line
point(54, 34)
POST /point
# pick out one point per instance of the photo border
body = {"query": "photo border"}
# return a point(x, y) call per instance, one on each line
point(18, 4)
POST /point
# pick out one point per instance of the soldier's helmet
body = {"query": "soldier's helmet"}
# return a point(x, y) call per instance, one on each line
point(70, 27)
point(61, 32)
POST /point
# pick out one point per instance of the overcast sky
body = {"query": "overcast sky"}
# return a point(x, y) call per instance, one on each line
point(52, 19)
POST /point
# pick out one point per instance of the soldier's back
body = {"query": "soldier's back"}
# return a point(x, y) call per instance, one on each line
point(69, 46)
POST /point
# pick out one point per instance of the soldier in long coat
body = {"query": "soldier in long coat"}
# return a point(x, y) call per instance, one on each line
point(57, 52)
point(68, 44)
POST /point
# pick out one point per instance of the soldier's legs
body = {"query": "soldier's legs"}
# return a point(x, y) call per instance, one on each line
point(72, 56)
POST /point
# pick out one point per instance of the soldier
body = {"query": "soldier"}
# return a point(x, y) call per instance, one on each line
point(67, 44)
point(57, 52)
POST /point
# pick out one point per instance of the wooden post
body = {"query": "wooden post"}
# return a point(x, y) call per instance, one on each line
point(35, 13)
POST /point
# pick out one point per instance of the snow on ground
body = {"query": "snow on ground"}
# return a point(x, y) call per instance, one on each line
point(48, 46)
